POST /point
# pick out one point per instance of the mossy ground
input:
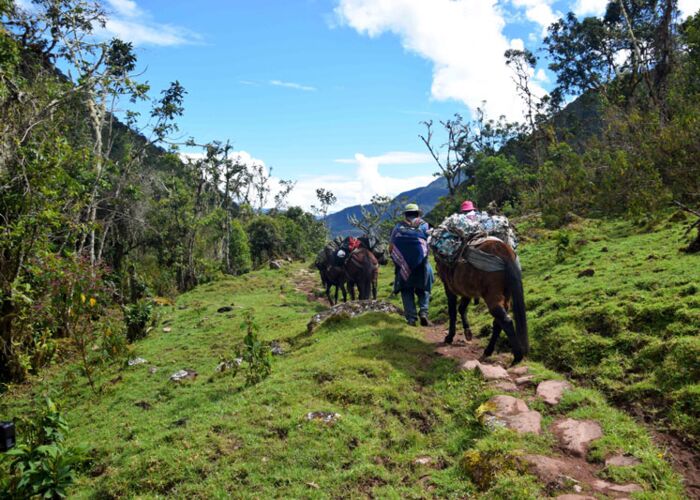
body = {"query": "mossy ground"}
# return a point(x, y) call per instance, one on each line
point(398, 400)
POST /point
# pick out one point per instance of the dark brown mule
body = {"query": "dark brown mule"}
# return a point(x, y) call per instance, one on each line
point(331, 275)
point(498, 289)
point(362, 269)
point(334, 276)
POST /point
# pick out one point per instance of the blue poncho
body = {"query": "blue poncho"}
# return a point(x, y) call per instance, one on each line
point(410, 253)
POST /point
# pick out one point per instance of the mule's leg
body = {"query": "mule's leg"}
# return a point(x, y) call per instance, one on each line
point(344, 291)
point(366, 289)
point(336, 293)
point(374, 288)
point(492, 341)
point(351, 290)
point(452, 313)
point(506, 323)
point(463, 304)
point(328, 293)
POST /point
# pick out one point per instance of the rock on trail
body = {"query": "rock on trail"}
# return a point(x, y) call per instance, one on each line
point(552, 391)
point(488, 372)
point(575, 435)
point(511, 413)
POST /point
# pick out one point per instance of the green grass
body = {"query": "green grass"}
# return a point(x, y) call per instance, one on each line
point(397, 400)
point(631, 330)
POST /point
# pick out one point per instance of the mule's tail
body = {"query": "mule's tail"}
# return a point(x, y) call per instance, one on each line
point(514, 281)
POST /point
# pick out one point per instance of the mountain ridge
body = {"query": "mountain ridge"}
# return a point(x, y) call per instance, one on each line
point(426, 197)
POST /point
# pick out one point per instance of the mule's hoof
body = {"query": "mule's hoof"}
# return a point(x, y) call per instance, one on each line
point(516, 360)
point(485, 357)
point(448, 340)
point(468, 335)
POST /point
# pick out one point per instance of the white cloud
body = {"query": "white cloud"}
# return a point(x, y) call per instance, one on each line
point(590, 7)
point(353, 187)
point(462, 38)
point(539, 12)
point(292, 85)
point(688, 7)
point(126, 8)
point(127, 21)
point(597, 7)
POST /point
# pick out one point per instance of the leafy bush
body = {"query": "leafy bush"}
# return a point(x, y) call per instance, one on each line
point(41, 465)
point(138, 318)
point(497, 180)
point(566, 185)
point(266, 239)
point(254, 353)
point(239, 249)
point(563, 246)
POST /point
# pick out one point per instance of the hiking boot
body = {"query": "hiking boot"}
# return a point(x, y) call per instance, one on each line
point(411, 322)
point(424, 320)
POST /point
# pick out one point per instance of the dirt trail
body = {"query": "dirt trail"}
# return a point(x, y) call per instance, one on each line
point(567, 473)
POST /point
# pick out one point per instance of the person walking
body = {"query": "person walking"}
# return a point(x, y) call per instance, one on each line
point(414, 275)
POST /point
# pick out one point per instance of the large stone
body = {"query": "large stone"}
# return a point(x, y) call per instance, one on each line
point(492, 372)
point(504, 385)
point(470, 364)
point(519, 371)
point(525, 380)
point(185, 374)
point(548, 469)
point(603, 486)
point(576, 435)
point(574, 496)
point(552, 391)
point(622, 461)
point(512, 413)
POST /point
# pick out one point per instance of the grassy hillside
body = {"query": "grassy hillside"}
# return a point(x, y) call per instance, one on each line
point(397, 400)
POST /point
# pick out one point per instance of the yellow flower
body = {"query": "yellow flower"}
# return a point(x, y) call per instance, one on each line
point(83, 298)
point(93, 301)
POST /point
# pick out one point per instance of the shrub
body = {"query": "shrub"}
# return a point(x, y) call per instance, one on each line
point(266, 239)
point(254, 353)
point(139, 319)
point(497, 180)
point(41, 465)
point(239, 249)
point(566, 185)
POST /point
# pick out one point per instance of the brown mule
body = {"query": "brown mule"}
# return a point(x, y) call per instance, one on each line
point(498, 289)
point(362, 269)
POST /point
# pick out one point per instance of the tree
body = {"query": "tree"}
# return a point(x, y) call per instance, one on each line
point(457, 151)
point(373, 217)
point(498, 180)
point(326, 199)
point(286, 188)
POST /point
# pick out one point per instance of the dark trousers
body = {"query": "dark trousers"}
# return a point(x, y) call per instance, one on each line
point(408, 296)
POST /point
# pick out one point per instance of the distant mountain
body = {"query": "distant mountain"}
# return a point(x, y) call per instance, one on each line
point(426, 197)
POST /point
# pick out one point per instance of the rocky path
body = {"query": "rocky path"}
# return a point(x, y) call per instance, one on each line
point(568, 471)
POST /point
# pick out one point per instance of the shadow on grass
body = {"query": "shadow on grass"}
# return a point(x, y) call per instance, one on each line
point(409, 355)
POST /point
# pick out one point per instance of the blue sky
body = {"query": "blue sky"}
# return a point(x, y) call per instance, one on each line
point(330, 93)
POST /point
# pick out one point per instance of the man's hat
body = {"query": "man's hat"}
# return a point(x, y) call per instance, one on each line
point(411, 207)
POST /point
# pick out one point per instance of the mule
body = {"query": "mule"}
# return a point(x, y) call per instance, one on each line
point(498, 289)
point(362, 270)
point(334, 276)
